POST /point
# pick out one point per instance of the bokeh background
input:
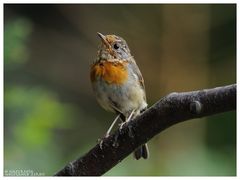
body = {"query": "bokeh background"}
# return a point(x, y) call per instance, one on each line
point(51, 116)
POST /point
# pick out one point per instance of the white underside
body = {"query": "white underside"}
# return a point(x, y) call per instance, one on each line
point(129, 96)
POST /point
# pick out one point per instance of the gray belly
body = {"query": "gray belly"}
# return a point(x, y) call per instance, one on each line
point(126, 97)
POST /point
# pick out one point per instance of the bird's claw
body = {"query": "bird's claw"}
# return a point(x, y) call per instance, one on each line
point(121, 126)
point(100, 140)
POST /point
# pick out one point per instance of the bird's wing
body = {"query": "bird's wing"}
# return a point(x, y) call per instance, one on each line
point(138, 73)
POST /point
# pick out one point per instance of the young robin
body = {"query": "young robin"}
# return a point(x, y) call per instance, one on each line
point(118, 83)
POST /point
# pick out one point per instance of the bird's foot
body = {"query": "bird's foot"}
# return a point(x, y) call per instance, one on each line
point(121, 126)
point(100, 140)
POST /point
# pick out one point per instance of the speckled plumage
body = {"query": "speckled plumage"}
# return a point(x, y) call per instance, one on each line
point(117, 81)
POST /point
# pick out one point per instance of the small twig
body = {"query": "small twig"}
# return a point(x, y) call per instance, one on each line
point(170, 110)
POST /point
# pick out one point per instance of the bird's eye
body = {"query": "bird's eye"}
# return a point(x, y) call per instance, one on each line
point(116, 46)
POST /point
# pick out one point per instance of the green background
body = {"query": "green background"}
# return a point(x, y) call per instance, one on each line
point(51, 116)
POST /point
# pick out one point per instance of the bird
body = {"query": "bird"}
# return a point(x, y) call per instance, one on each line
point(118, 83)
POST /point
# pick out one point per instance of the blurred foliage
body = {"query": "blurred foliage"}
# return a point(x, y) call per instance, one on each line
point(32, 113)
point(51, 116)
point(15, 35)
point(38, 112)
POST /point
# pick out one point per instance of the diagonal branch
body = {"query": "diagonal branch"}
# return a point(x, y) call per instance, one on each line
point(170, 110)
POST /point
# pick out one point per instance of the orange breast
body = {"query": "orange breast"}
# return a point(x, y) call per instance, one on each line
point(111, 72)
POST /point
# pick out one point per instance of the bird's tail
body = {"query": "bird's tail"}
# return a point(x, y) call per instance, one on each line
point(141, 152)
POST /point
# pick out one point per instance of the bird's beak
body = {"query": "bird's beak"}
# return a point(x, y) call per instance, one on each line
point(103, 38)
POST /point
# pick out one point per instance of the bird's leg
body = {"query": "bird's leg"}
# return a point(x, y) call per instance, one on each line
point(108, 131)
point(110, 128)
point(129, 117)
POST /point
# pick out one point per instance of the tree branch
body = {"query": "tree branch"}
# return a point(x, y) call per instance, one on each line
point(170, 110)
